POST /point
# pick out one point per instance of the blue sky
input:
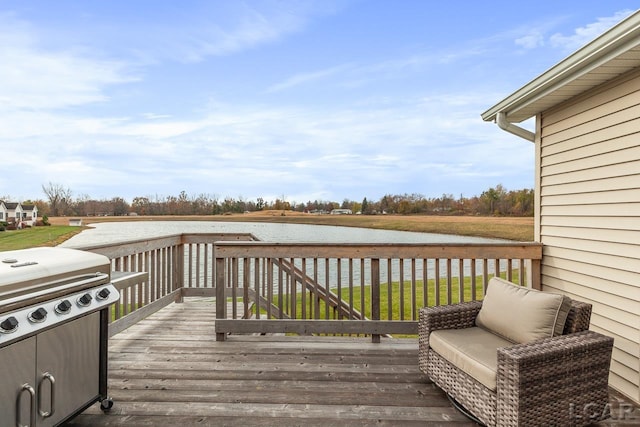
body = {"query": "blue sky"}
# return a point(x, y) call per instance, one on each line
point(306, 100)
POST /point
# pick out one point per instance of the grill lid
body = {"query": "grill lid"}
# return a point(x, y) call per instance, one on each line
point(35, 270)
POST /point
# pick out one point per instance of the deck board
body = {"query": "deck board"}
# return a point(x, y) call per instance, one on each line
point(169, 370)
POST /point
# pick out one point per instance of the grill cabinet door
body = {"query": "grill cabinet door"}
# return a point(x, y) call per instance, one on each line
point(17, 368)
point(71, 353)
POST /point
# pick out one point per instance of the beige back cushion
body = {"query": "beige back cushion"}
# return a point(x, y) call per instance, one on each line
point(520, 314)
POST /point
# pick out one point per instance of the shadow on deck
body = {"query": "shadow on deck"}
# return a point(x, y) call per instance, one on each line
point(168, 370)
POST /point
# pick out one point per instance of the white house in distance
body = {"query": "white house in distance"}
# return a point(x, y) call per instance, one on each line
point(17, 213)
point(14, 212)
point(587, 184)
point(30, 214)
point(341, 212)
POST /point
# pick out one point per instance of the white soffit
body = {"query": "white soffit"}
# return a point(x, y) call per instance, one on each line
point(612, 54)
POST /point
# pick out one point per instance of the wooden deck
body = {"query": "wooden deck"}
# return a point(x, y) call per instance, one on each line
point(168, 370)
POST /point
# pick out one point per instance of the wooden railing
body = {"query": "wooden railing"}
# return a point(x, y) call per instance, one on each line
point(160, 271)
point(371, 289)
point(261, 287)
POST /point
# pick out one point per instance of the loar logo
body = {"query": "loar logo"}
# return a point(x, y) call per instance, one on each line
point(593, 411)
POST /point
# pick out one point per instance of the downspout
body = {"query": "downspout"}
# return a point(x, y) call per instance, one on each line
point(504, 124)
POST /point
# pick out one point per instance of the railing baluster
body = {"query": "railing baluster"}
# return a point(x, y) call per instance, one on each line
point(414, 296)
point(375, 295)
point(190, 264)
point(234, 286)
point(259, 285)
point(350, 288)
point(362, 287)
point(425, 282)
point(316, 299)
point(460, 279)
point(246, 281)
point(389, 289)
point(197, 265)
point(327, 287)
point(473, 279)
point(485, 276)
point(401, 288)
point(303, 289)
point(339, 281)
point(280, 289)
point(437, 280)
point(221, 301)
point(294, 291)
point(206, 265)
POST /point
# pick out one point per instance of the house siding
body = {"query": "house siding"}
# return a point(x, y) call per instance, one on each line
point(589, 213)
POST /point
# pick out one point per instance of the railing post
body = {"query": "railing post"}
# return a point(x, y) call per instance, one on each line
point(536, 280)
point(179, 263)
point(375, 295)
point(221, 302)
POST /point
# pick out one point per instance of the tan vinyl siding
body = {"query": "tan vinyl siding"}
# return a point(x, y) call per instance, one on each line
point(589, 170)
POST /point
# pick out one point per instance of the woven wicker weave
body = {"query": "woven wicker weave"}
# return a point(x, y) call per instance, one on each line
point(553, 381)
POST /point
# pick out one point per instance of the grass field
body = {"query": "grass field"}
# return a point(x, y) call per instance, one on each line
point(397, 302)
point(36, 236)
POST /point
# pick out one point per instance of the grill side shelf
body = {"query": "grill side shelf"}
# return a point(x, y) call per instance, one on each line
point(125, 279)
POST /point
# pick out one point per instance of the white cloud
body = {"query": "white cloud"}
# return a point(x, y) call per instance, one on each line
point(154, 116)
point(583, 35)
point(215, 30)
point(309, 77)
point(34, 78)
point(303, 152)
point(531, 41)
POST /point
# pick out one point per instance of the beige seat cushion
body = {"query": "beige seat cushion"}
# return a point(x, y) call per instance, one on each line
point(520, 314)
point(473, 350)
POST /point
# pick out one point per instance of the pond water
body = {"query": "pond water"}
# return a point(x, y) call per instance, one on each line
point(114, 232)
point(119, 232)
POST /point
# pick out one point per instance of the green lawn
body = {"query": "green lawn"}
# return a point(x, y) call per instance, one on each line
point(36, 236)
point(399, 296)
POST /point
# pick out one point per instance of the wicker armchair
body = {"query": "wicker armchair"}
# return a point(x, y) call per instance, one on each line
point(561, 380)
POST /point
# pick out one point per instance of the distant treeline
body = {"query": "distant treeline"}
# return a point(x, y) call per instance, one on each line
point(494, 201)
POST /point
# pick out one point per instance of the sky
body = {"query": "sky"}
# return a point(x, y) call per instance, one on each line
point(301, 100)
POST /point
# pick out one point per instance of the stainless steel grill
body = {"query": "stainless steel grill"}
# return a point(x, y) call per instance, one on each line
point(53, 334)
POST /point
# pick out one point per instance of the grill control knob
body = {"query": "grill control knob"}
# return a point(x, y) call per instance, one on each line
point(38, 315)
point(10, 324)
point(63, 307)
point(84, 300)
point(103, 294)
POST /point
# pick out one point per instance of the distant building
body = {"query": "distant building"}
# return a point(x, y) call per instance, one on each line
point(341, 212)
point(18, 214)
point(30, 214)
point(14, 212)
point(4, 213)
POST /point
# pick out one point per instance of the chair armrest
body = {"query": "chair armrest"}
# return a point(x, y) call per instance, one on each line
point(563, 376)
point(454, 316)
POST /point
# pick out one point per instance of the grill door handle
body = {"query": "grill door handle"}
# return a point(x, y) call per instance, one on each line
point(32, 406)
point(47, 376)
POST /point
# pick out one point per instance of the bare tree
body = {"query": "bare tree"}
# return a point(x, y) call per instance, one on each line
point(59, 198)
